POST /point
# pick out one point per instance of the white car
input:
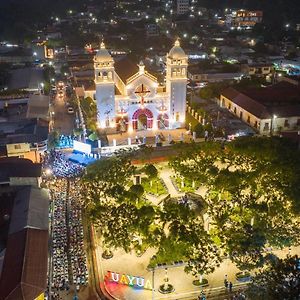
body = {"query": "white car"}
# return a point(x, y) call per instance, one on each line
point(70, 110)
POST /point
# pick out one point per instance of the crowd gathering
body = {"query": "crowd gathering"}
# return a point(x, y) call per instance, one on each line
point(76, 248)
point(60, 276)
point(60, 166)
point(69, 264)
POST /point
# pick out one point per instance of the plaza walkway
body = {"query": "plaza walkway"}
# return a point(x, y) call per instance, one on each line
point(129, 263)
point(165, 175)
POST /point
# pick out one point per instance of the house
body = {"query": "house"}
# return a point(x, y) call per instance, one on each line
point(268, 110)
point(260, 69)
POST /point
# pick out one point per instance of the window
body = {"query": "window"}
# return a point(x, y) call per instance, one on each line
point(248, 119)
point(234, 110)
point(286, 123)
point(229, 106)
point(266, 127)
point(107, 122)
point(18, 147)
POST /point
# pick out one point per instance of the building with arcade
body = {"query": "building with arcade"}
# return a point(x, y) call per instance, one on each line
point(129, 98)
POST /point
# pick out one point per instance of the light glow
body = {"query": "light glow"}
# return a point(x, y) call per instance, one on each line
point(133, 281)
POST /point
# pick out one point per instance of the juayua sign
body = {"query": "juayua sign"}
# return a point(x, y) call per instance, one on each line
point(134, 281)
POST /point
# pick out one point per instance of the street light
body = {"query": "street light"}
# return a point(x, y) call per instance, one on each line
point(272, 127)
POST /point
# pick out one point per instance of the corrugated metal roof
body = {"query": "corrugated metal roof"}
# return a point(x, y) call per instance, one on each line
point(30, 210)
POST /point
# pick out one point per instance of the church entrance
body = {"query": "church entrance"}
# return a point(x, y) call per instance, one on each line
point(142, 122)
point(142, 119)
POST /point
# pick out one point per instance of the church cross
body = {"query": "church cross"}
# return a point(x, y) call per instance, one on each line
point(142, 93)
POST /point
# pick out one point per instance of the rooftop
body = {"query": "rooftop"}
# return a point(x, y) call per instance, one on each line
point(18, 167)
point(24, 270)
point(281, 99)
point(26, 78)
point(125, 68)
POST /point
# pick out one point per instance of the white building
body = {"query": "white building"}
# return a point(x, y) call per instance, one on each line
point(183, 6)
point(129, 98)
point(273, 109)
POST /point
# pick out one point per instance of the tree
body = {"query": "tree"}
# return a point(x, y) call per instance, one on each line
point(151, 172)
point(137, 191)
point(204, 255)
point(107, 178)
point(280, 280)
point(89, 109)
point(206, 92)
point(243, 195)
point(53, 139)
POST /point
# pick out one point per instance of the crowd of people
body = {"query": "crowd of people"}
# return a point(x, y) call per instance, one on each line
point(60, 166)
point(69, 262)
point(76, 247)
point(60, 275)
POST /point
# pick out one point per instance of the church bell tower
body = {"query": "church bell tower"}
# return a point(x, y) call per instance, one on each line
point(176, 82)
point(105, 88)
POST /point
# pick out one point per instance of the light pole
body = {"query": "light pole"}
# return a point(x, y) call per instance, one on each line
point(153, 290)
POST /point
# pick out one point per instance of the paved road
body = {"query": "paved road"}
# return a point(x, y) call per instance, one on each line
point(63, 122)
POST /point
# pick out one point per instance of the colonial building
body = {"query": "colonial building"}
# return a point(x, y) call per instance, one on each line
point(272, 109)
point(130, 98)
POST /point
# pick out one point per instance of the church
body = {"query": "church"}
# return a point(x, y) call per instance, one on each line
point(129, 98)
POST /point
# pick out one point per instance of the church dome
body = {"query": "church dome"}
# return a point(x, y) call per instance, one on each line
point(177, 52)
point(103, 54)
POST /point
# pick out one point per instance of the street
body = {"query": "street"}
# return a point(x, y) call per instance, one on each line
point(63, 121)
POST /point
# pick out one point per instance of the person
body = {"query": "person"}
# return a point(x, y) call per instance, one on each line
point(226, 283)
point(206, 135)
point(230, 286)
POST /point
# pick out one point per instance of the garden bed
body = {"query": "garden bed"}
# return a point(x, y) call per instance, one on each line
point(204, 282)
point(158, 188)
point(243, 276)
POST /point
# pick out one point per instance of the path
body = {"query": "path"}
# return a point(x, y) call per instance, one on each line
point(165, 175)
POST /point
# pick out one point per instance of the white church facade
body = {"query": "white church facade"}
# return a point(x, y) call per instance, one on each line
point(129, 98)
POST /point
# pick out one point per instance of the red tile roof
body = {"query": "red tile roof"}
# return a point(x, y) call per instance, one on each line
point(282, 99)
point(125, 68)
point(24, 274)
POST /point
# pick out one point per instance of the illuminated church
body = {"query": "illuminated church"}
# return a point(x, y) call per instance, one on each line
point(129, 98)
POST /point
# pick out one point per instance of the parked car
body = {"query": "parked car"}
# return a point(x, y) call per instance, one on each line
point(70, 110)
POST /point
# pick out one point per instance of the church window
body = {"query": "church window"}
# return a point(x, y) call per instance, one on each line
point(107, 122)
point(99, 74)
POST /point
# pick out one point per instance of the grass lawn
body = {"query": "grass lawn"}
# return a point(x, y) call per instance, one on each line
point(190, 119)
point(188, 185)
point(157, 187)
